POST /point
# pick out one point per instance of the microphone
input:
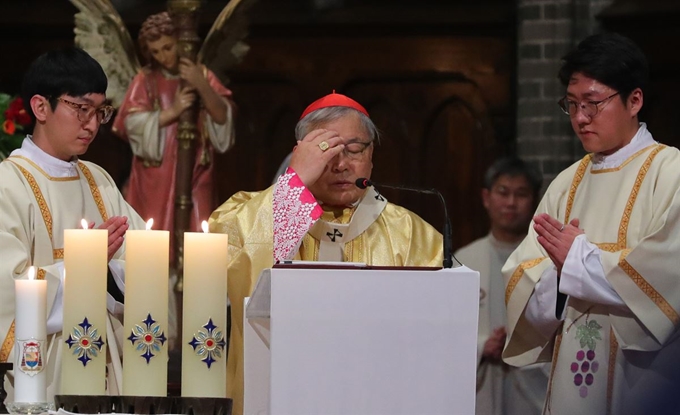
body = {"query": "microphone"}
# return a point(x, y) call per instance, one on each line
point(363, 183)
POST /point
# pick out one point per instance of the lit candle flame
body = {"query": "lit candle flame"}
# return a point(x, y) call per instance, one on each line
point(204, 226)
point(84, 224)
point(31, 273)
point(149, 224)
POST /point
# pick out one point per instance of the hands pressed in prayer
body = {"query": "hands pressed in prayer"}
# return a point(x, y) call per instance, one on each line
point(116, 225)
point(309, 160)
point(493, 347)
point(555, 237)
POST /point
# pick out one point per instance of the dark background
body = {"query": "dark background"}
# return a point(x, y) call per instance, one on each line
point(437, 77)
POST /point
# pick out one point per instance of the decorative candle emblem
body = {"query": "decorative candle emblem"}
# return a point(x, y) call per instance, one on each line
point(31, 357)
point(30, 350)
point(150, 338)
point(86, 343)
point(208, 344)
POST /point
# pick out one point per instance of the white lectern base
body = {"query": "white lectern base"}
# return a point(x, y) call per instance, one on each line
point(362, 341)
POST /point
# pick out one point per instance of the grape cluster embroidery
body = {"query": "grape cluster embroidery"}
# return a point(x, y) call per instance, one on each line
point(585, 365)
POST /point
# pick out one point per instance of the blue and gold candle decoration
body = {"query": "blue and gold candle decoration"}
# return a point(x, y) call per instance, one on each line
point(148, 339)
point(209, 343)
point(85, 341)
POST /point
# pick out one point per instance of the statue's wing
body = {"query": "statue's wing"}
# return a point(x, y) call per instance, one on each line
point(223, 46)
point(100, 31)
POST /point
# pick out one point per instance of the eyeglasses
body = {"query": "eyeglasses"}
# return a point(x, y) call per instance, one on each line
point(86, 111)
point(589, 108)
point(355, 150)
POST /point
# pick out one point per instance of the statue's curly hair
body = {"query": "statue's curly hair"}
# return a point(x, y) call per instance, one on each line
point(152, 29)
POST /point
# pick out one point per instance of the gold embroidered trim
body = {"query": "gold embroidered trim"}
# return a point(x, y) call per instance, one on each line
point(9, 339)
point(44, 173)
point(613, 349)
point(625, 219)
point(7, 344)
point(628, 160)
point(519, 271)
point(621, 243)
point(650, 291)
point(58, 253)
point(578, 176)
point(95, 190)
point(553, 366)
point(609, 247)
point(44, 209)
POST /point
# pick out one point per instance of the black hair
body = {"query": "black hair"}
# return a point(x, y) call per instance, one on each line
point(69, 71)
point(611, 59)
point(513, 166)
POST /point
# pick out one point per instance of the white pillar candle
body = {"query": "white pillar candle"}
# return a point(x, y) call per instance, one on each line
point(204, 321)
point(84, 331)
point(30, 334)
point(145, 351)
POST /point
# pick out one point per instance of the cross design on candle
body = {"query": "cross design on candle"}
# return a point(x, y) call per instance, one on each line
point(150, 338)
point(208, 343)
point(85, 342)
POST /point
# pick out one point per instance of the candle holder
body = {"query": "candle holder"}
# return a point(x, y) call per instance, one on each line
point(92, 404)
point(4, 368)
point(35, 408)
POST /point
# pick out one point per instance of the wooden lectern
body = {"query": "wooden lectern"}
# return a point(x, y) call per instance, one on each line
point(320, 339)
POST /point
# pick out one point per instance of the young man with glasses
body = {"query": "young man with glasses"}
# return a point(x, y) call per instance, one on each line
point(315, 212)
point(594, 286)
point(45, 188)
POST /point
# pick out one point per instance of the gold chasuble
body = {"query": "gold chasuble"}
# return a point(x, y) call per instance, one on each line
point(393, 237)
point(608, 359)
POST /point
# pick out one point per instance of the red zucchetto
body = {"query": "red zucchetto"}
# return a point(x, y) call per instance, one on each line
point(334, 100)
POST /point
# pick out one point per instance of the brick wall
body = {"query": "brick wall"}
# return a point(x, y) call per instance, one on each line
point(547, 30)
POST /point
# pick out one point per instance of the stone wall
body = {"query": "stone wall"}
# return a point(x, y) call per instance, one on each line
point(547, 30)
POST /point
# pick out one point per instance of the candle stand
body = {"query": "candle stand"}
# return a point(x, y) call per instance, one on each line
point(92, 404)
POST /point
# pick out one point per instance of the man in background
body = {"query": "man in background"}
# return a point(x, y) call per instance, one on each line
point(510, 195)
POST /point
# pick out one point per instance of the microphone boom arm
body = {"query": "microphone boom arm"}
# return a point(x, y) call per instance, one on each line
point(363, 183)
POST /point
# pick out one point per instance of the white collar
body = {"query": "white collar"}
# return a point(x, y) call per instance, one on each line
point(53, 166)
point(642, 139)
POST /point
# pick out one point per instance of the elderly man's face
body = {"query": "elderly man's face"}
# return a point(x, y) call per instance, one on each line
point(336, 186)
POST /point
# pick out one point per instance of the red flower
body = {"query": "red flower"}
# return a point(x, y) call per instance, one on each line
point(17, 113)
point(8, 127)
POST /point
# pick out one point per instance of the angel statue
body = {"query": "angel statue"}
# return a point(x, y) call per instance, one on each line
point(151, 98)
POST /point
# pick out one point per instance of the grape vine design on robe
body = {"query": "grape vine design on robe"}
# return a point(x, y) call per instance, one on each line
point(585, 365)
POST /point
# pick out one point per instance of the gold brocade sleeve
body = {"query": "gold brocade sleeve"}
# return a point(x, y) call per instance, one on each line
point(397, 237)
point(247, 218)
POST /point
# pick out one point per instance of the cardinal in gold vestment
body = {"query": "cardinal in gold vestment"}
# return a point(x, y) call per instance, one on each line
point(316, 212)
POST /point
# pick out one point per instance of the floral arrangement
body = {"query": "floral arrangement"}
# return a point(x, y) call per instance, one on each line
point(13, 120)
